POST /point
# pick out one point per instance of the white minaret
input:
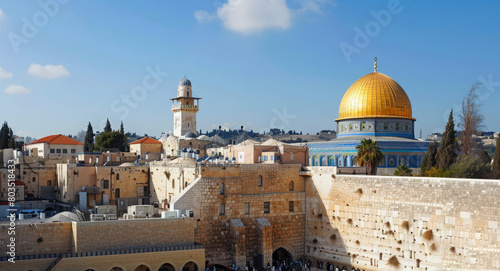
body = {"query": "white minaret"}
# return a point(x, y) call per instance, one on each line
point(185, 107)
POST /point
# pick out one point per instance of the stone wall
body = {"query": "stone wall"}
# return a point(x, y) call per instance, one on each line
point(219, 213)
point(123, 234)
point(75, 237)
point(424, 223)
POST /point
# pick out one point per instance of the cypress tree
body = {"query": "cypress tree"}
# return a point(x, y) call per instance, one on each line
point(496, 159)
point(107, 128)
point(4, 136)
point(429, 160)
point(447, 148)
point(12, 142)
point(89, 139)
point(124, 146)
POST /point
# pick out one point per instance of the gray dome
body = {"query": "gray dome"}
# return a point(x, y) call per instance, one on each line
point(185, 82)
point(189, 135)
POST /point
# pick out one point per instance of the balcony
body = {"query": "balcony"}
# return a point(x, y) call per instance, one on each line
point(184, 106)
point(93, 190)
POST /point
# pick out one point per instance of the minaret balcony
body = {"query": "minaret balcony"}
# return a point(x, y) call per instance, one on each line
point(184, 106)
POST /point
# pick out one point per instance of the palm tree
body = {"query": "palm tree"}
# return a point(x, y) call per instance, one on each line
point(403, 170)
point(369, 155)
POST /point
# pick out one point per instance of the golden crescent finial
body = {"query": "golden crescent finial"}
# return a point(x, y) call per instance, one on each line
point(375, 65)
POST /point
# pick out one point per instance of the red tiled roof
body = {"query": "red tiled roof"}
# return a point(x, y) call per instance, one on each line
point(57, 140)
point(146, 140)
point(17, 182)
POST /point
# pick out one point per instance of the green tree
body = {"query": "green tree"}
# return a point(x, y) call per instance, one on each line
point(107, 128)
point(470, 166)
point(4, 136)
point(403, 170)
point(125, 140)
point(447, 155)
point(111, 140)
point(496, 159)
point(369, 155)
point(89, 139)
point(429, 160)
point(12, 141)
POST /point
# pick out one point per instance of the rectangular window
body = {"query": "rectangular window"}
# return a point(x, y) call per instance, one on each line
point(222, 209)
point(58, 151)
point(49, 183)
point(117, 193)
point(105, 184)
point(265, 158)
point(65, 150)
point(247, 208)
point(292, 157)
point(272, 156)
point(73, 150)
point(267, 208)
point(52, 151)
point(290, 206)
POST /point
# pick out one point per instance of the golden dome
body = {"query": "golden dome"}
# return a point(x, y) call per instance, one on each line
point(375, 95)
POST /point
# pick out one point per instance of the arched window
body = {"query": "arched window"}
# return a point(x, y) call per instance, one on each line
point(222, 189)
point(292, 186)
point(259, 183)
point(117, 177)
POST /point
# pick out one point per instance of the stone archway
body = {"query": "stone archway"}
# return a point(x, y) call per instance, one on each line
point(166, 267)
point(190, 266)
point(281, 255)
point(116, 268)
point(142, 267)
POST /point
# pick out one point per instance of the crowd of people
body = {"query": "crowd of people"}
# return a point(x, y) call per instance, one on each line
point(287, 265)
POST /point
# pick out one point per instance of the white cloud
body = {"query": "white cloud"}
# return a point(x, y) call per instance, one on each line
point(204, 16)
point(48, 71)
point(17, 89)
point(5, 74)
point(311, 5)
point(249, 17)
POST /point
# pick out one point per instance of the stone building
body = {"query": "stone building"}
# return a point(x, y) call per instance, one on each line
point(170, 178)
point(145, 146)
point(248, 213)
point(89, 186)
point(54, 146)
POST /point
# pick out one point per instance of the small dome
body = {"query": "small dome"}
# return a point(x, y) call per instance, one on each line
point(185, 82)
point(189, 135)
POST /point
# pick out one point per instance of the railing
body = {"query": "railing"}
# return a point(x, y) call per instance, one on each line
point(105, 252)
point(93, 190)
point(184, 106)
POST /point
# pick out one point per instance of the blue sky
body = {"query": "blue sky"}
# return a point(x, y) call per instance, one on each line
point(259, 63)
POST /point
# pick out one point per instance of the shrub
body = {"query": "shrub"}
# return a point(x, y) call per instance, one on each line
point(428, 235)
point(393, 261)
point(433, 247)
point(405, 225)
